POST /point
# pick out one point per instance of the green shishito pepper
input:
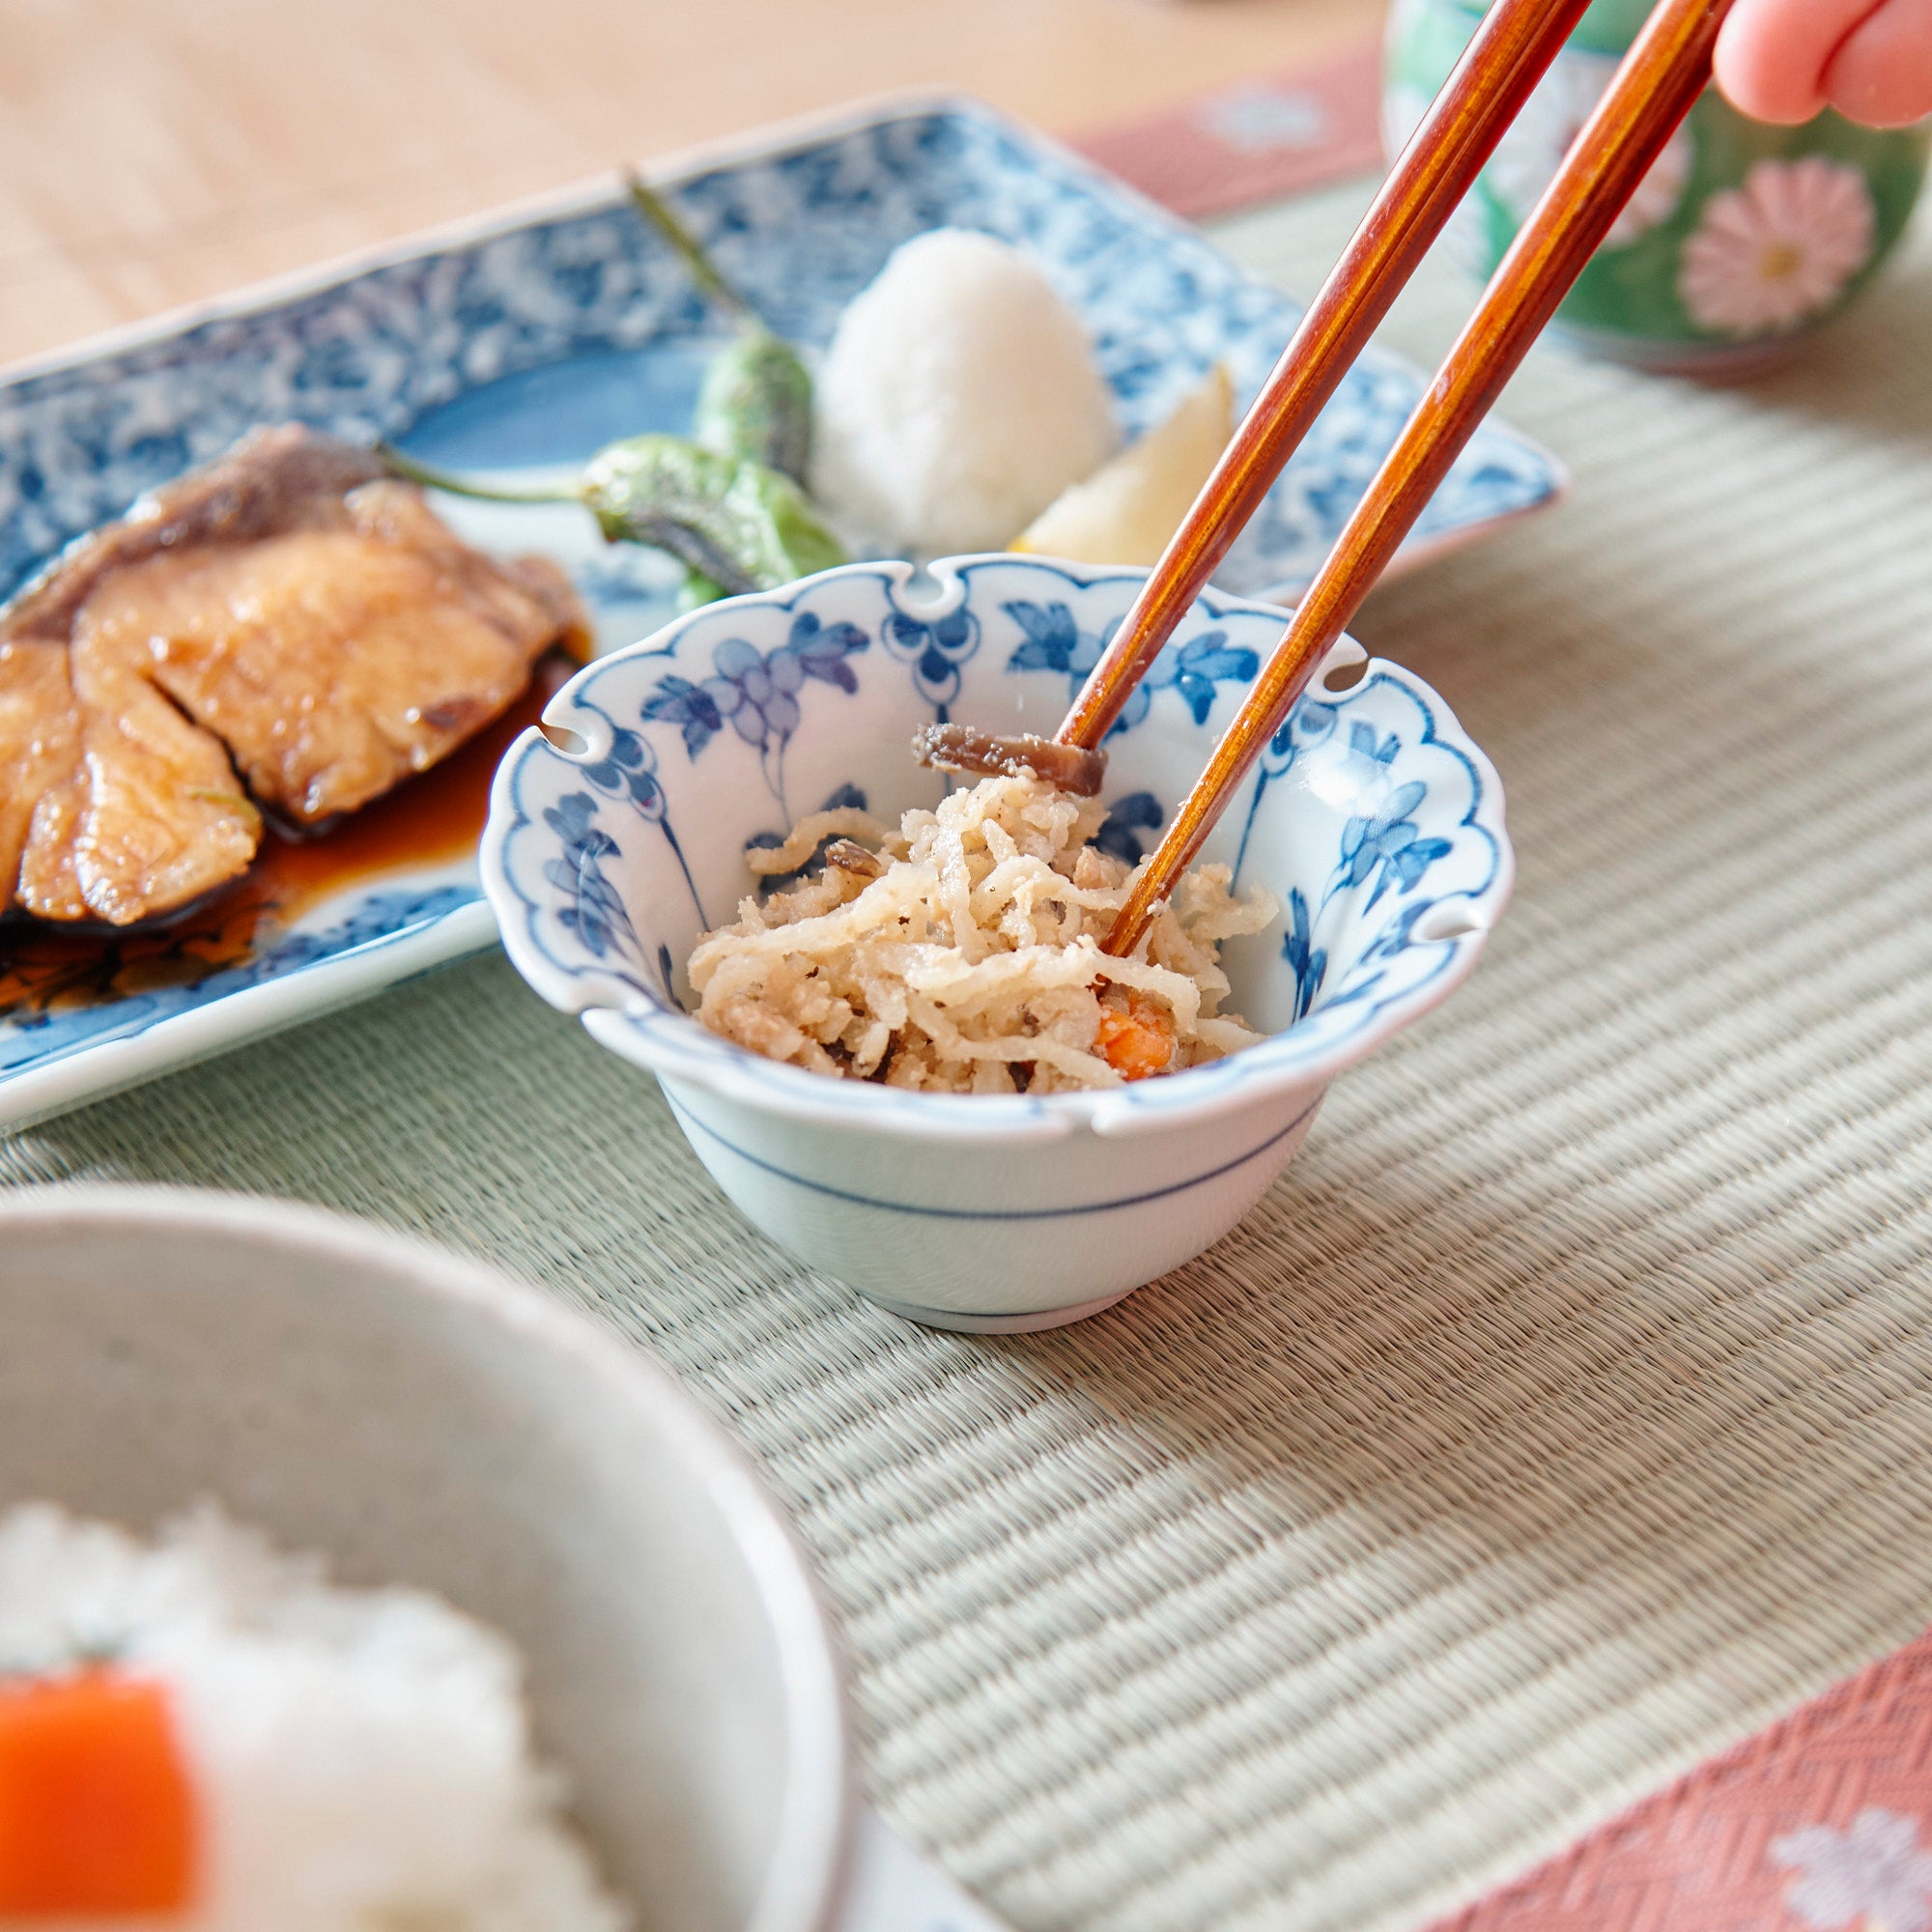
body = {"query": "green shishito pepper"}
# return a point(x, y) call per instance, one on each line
point(730, 520)
point(744, 526)
point(728, 499)
point(756, 403)
point(756, 397)
point(699, 590)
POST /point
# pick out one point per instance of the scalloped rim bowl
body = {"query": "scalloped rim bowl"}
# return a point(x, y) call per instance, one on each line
point(614, 840)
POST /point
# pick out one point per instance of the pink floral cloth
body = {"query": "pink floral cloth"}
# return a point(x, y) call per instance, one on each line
point(1252, 142)
point(1823, 1823)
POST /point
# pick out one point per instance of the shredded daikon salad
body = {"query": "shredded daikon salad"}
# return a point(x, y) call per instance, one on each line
point(962, 953)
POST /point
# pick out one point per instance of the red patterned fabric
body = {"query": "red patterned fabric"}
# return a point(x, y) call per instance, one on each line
point(1276, 136)
point(1824, 1821)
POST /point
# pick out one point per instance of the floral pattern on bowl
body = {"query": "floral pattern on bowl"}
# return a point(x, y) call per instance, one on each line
point(1740, 236)
point(1372, 820)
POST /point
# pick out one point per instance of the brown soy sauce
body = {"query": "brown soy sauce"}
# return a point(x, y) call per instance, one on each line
point(428, 820)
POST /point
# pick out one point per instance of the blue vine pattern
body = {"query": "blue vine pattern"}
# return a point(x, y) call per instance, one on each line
point(1397, 935)
point(1387, 844)
point(628, 771)
point(1054, 642)
point(1387, 839)
point(593, 909)
point(1398, 931)
point(937, 652)
point(756, 691)
point(1310, 723)
point(1308, 963)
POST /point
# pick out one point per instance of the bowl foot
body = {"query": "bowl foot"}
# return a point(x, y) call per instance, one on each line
point(994, 1324)
point(1719, 362)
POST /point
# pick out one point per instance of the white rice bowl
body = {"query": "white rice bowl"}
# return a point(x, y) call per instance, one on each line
point(959, 399)
point(360, 1758)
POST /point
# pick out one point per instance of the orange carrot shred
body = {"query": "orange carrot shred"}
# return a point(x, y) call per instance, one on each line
point(97, 1813)
point(1139, 1043)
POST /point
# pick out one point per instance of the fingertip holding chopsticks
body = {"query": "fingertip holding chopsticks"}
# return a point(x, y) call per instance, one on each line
point(1652, 91)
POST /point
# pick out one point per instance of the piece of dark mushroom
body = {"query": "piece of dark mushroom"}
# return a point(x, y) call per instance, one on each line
point(960, 747)
point(847, 855)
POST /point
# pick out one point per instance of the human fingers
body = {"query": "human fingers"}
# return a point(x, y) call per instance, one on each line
point(1882, 72)
point(1772, 55)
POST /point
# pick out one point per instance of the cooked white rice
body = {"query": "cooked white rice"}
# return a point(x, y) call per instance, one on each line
point(959, 399)
point(972, 962)
point(361, 1758)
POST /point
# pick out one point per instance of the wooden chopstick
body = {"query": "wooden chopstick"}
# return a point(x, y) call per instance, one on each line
point(1659, 79)
point(1516, 43)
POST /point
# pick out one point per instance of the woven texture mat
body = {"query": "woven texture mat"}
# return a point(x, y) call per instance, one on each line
point(1561, 1416)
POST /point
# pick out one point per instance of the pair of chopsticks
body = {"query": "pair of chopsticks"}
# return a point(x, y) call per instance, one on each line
point(1662, 77)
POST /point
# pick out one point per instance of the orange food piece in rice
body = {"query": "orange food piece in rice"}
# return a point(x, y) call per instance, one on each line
point(1139, 1043)
point(96, 1810)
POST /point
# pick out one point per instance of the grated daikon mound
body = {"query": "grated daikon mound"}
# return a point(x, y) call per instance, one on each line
point(959, 397)
point(971, 963)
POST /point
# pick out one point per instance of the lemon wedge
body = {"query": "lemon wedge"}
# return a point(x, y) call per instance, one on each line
point(1131, 505)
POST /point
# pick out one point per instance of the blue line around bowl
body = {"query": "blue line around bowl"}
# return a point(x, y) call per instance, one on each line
point(691, 1120)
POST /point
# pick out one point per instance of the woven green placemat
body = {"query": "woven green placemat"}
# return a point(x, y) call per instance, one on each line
point(1564, 1412)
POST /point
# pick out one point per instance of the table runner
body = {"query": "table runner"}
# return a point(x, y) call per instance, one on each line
point(1815, 1824)
point(1258, 140)
point(1560, 1417)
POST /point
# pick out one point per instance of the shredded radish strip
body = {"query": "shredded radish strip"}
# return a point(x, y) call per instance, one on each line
point(972, 964)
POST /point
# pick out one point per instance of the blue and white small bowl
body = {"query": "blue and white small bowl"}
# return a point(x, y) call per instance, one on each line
point(618, 840)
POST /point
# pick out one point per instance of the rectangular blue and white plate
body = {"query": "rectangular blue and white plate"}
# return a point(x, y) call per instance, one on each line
point(520, 344)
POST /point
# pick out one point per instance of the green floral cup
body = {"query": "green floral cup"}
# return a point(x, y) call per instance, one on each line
point(1741, 237)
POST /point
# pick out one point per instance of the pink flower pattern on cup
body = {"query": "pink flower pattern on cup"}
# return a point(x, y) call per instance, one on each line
point(1771, 254)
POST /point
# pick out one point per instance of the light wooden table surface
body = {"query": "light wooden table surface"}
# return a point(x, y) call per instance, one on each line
point(157, 152)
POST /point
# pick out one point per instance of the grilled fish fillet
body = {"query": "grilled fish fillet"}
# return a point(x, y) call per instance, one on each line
point(285, 628)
